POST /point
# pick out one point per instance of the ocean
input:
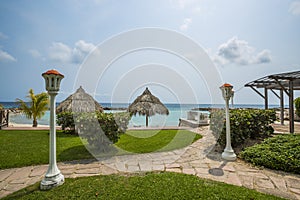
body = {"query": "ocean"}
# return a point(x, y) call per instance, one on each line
point(176, 111)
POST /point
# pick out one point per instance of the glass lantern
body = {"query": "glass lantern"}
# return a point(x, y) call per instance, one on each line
point(227, 91)
point(52, 79)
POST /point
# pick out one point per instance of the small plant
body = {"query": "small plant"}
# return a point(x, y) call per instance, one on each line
point(66, 121)
point(202, 116)
point(1, 107)
point(297, 106)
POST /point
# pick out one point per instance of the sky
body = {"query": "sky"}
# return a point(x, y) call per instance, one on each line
point(228, 41)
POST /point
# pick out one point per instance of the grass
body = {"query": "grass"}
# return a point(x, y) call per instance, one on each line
point(281, 152)
point(149, 186)
point(146, 141)
point(24, 148)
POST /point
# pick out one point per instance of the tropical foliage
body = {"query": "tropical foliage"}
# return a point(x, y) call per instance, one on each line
point(281, 152)
point(244, 124)
point(297, 106)
point(36, 107)
point(99, 129)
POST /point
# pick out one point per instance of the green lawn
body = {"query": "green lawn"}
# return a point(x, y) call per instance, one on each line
point(24, 148)
point(149, 186)
point(156, 140)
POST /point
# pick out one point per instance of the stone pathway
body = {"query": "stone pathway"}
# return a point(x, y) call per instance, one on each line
point(195, 159)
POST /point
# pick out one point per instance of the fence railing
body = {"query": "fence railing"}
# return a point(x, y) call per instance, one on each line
point(4, 117)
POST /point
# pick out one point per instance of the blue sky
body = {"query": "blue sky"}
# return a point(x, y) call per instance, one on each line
point(245, 40)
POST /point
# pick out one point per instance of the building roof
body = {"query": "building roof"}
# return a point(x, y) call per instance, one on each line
point(277, 81)
point(53, 71)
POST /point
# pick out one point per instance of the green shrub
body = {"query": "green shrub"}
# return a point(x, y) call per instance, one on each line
point(217, 120)
point(66, 120)
point(280, 153)
point(1, 107)
point(244, 124)
point(122, 119)
point(297, 106)
point(99, 129)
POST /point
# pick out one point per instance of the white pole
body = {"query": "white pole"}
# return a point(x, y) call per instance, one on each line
point(53, 176)
point(228, 153)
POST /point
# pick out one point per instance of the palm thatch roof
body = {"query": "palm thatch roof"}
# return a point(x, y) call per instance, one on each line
point(147, 104)
point(80, 101)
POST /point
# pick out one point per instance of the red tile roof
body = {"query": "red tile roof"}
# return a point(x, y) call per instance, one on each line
point(226, 85)
point(53, 71)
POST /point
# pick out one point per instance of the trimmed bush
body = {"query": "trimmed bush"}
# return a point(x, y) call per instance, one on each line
point(281, 152)
point(297, 106)
point(99, 129)
point(244, 124)
point(66, 120)
point(217, 120)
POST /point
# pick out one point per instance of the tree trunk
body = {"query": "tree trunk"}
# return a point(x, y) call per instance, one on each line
point(35, 123)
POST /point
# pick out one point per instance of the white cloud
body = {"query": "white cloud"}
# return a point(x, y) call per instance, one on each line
point(35, 53)
point(186, 23)
point(182, 4)
point(6, 57)
point(3, 36)
point(295, 8)
point(264, 56)
point(81, 50)
point(63, 53)
point(60, 52)
point(241, 53)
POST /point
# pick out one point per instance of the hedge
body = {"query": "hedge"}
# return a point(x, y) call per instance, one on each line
point(99, 129)
point(244, 124)
point(297, 106)
point(281, 152)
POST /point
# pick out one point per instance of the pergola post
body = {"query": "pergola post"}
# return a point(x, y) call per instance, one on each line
point(291, 105)
point(285, 82)
point(266, 98)
point(281, 107)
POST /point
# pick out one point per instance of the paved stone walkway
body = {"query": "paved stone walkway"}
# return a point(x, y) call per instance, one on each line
point(193, 159)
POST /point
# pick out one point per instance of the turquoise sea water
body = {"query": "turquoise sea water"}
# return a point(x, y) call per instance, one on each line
point(176, 111)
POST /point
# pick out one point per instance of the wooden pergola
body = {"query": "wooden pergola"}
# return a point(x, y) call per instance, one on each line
point(284, 83)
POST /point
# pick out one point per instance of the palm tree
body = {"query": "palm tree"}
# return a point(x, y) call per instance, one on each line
point(36, 107)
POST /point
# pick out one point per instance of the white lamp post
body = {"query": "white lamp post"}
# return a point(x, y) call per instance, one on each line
point(53, 176)
point(227, 93)
point(232, 105)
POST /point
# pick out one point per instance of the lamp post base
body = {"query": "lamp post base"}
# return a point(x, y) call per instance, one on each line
point(51, 182)
point(229, 155)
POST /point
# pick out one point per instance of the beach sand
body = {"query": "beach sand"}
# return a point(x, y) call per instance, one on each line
point(14, 126)
point(11, 124)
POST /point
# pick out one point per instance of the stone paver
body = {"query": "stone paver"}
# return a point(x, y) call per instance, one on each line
point(193, 160)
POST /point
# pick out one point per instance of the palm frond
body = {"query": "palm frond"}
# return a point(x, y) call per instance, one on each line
point(38, 105)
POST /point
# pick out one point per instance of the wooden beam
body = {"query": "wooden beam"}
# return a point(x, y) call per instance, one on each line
point(282, 87)
point(260, 94)
point(281, 107)
point(291, 105)
point(266, 98)
point(275, 93)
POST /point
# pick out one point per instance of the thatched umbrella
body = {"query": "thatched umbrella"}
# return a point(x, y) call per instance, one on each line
point(80, 101)
point(147, 105)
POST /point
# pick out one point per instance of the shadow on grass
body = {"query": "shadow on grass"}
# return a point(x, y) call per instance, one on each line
point(75, 153)
point(62, 134)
